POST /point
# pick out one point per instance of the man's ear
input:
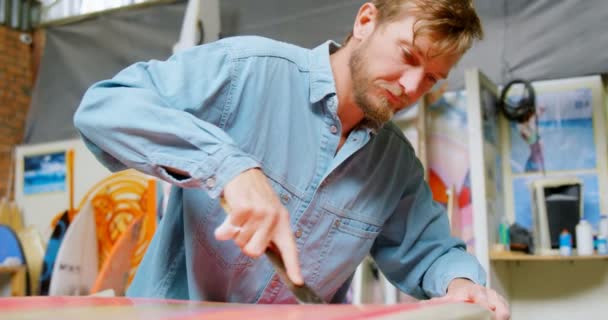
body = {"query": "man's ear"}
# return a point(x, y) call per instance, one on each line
point(365, 22)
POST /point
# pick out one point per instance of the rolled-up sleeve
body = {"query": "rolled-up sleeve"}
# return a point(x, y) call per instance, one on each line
point(167, 114)
point(415, 250)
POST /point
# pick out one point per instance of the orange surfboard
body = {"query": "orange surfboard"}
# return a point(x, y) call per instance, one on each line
point(117, 201)
point(115, 271)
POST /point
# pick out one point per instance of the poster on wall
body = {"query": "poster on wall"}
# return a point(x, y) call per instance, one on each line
point(561, 126)
point(449, 165)
point(44, 173)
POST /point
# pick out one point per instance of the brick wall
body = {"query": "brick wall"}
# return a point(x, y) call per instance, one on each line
point(18, 63)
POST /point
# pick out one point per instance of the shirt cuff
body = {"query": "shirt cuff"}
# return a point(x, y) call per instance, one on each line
point(454, 264)
point(228, 169)
point(210, 174)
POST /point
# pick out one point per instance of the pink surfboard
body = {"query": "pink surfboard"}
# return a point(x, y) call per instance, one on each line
point(94, 308)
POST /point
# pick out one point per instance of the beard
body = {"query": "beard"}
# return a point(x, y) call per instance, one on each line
point(376, 113)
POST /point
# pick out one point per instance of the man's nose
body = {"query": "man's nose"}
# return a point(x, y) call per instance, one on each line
point(412, 81)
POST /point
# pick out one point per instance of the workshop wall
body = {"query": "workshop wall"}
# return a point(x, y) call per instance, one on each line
point(18, 65)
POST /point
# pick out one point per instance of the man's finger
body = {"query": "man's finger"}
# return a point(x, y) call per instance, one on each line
point(481, 298)
point(493, 299)
point(286, 244)
point(226, 231)
point(501, 311)
point(231, 226)
point(238, 217)
point(243, 237)
point(259, 241)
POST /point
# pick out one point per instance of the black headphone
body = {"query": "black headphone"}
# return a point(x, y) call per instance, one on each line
point(524, 108)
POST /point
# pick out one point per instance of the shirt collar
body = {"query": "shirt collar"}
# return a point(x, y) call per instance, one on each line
point(322, 81)
point(321, 76)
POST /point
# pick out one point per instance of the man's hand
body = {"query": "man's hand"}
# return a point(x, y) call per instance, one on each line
point(465, 290)
point(257, 218)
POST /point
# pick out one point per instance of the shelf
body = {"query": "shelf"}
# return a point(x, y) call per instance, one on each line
point(11, 269)
point(519, 256)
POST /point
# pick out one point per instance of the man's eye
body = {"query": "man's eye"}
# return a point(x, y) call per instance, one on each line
point(407, 55)
point(431, 78)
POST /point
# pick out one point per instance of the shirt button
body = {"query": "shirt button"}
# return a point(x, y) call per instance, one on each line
point(298, 233)
point(333, 129)
point(284, 199)
point(337, 223)
point(210, 183)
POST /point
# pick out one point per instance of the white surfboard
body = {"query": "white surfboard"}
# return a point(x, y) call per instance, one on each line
point(76, 265)
point(33, 249)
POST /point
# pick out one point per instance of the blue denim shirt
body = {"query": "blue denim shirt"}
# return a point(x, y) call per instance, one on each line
point(221, 108)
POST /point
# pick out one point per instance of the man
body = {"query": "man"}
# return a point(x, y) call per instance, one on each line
point(300, 145)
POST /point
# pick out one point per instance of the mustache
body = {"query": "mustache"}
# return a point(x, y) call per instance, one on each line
point(395, 90)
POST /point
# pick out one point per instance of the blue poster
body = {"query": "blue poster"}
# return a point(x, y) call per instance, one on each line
point(562, 127)
point(44, 173)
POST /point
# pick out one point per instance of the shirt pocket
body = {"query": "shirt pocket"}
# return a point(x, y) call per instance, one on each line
point(347, 242)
